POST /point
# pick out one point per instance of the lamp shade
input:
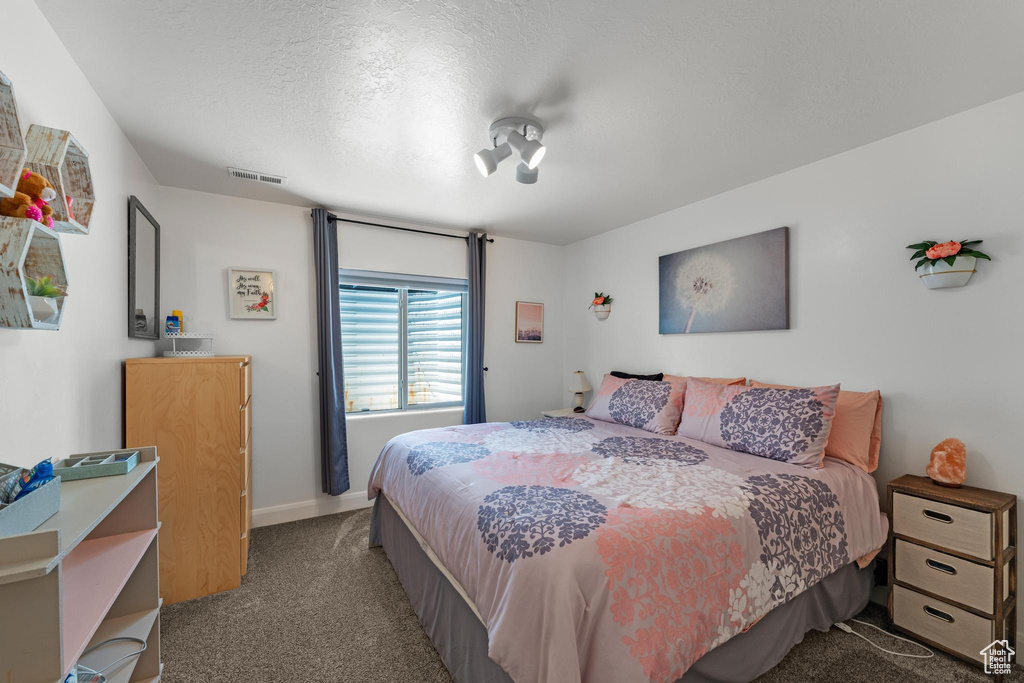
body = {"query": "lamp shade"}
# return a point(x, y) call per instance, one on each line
point(578, 383)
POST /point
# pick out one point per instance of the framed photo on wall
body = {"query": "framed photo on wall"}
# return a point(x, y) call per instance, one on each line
point(529, 322)
point(252, 293)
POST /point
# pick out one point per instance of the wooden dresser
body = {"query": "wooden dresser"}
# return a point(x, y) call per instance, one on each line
point(198, 413)
point(953, 565)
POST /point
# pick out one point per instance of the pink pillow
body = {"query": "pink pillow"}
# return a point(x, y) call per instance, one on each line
point(713, 380)
point(791, 425)
point(654, 406)
point(856, 435)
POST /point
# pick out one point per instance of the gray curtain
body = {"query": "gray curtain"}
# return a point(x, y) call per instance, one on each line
point(475, 411)
point(333, 436)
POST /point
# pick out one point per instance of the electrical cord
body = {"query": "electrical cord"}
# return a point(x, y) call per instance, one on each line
point(842, 626)
point(93, 674)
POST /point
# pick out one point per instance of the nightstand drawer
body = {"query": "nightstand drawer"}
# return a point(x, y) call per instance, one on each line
point(941, 623)
point(956, 528)
point(965, 582)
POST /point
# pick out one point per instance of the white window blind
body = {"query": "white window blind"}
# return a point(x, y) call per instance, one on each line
point(403, 340)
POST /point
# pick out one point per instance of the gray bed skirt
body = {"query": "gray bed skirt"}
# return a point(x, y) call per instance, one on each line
point(461, 640)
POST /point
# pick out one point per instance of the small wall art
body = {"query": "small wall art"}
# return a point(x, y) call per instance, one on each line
point(732, 286)
point(252, 293)
point(529, 322)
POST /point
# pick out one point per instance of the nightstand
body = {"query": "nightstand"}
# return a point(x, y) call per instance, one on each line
point(953, 565)
point(561, 412)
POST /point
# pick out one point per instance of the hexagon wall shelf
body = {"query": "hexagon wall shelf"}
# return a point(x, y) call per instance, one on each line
point(12, 144)
point(28, 248)
point(57, 156)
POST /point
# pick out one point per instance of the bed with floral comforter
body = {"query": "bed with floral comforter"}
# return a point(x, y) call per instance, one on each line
point(595, 551)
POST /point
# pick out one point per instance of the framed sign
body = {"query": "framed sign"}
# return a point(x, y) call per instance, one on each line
point(529, 322)
point(252, 293)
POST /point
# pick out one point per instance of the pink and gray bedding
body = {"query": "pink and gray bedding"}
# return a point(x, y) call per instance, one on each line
point(790, 425)
point(602, 552)
point(651, 406)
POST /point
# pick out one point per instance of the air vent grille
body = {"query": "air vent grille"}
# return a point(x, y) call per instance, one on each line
point(258, 177)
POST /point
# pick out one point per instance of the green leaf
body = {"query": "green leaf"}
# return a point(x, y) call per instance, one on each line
point(970, 243)
point(978, 254)
point(919, 245)
point(922, 262)
point(918, 254)
point(950, 260)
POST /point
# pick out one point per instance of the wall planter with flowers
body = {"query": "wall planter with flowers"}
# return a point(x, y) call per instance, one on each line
point(949, 264)
point(602, 305)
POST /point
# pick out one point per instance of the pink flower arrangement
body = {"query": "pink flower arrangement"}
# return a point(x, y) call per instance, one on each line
point(932, 252)
point(943, 250)
point(600, 299)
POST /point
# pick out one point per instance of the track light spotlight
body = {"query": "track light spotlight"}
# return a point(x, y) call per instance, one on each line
point(519, 133)
point(525, 174)
point(530, 151)
point(487, 160)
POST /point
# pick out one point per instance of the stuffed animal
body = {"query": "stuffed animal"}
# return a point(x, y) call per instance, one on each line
point(32, 200)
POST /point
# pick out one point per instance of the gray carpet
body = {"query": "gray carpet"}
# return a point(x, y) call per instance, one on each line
point(318, 606)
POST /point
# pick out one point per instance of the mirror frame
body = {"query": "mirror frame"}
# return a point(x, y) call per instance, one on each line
point(135, 207)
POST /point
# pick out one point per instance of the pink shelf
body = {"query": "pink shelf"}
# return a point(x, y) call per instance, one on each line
point(93, 575)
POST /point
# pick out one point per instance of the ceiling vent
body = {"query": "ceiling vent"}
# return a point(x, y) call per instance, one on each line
point(258, 177)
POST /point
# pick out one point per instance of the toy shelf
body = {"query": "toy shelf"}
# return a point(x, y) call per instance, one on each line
point(28, 249)
point(87, 574)
point(12, 143)
point(57, 156)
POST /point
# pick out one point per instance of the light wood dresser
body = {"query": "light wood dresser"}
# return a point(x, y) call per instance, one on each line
point(953, 565)
point(198, 412)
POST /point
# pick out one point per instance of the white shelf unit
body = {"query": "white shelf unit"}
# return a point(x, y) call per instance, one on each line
point(199, 352)
point(87, 574)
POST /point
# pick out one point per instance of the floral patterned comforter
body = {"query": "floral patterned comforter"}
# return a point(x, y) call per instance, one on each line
point(600, 552)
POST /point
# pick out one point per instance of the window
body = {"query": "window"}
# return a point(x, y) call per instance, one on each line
point(403, 340)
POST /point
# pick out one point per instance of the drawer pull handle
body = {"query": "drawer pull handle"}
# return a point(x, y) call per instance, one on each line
point(937, 516)
point(938, 614)
point(941, 566)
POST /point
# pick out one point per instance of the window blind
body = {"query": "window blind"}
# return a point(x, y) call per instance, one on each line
point(402, 340)
point(371, 347)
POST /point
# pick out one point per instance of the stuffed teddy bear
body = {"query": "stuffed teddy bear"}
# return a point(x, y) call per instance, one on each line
point(32, 200)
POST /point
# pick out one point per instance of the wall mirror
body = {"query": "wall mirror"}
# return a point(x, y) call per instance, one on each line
point(143, 272)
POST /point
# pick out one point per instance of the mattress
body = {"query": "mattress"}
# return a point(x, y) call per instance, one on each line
point(457, 632)
point(599, 552)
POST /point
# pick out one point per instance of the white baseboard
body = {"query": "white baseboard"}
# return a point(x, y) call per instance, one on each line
point(325, 505)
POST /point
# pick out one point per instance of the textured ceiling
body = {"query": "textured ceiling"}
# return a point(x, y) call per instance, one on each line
point(376, 107)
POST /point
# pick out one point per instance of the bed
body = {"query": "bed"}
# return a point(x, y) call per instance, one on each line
point(570, 549)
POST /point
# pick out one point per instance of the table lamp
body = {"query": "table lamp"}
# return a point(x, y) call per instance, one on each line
point(578, 384)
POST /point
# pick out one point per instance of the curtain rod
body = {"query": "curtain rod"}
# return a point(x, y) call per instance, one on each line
point(332, 217)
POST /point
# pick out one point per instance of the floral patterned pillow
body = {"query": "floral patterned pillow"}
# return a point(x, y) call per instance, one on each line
point(791, 425)
point(654, 406)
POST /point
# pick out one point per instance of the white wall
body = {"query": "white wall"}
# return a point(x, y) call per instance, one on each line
point(204, 234)
point(60, 392)
point(948, 362)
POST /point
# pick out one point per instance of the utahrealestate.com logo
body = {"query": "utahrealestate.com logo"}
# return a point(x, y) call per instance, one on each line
point(998, 657)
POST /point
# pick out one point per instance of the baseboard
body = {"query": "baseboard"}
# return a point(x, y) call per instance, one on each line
point(326, 505)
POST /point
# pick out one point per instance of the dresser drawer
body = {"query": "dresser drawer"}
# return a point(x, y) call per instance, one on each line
point(245, 383)
point(941, 623)
point(935, 572)
point(244, 423)
point(245, 456)
point(956, 528)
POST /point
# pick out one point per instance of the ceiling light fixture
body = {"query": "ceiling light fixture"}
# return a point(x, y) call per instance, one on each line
point(519, 133)
point(525, 174)
point(487, 160)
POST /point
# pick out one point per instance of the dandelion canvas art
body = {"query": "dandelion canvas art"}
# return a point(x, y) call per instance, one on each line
point(737, 285)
